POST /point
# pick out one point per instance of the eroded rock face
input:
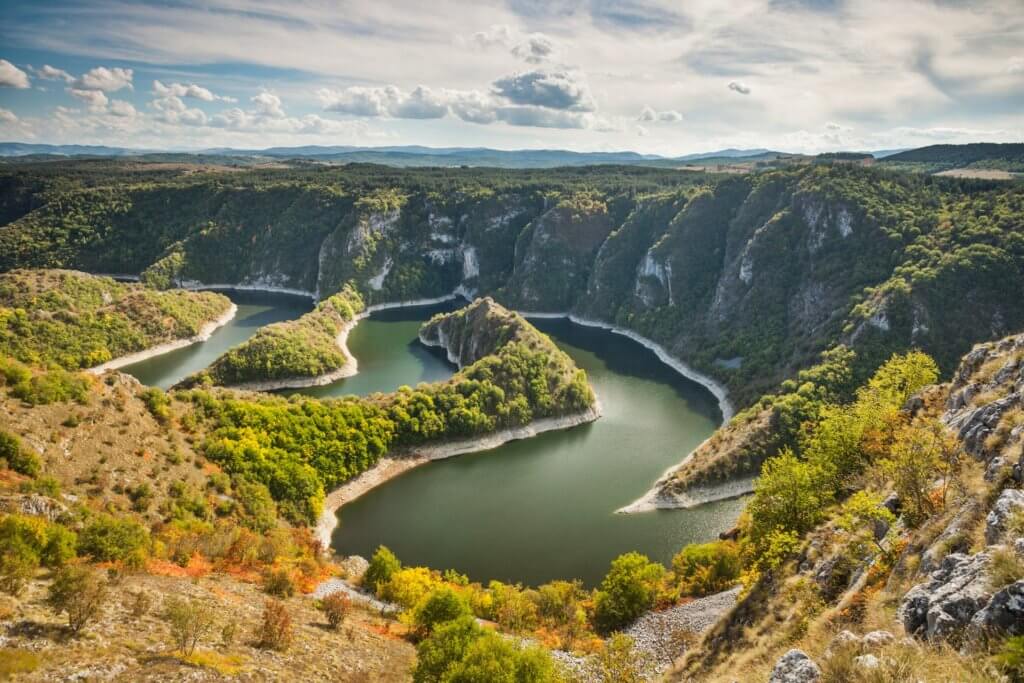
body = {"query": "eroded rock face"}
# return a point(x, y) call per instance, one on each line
point(1010, 502)
point(795, 667)
point(1004, 614)
point(945, 604)
point(33, 505)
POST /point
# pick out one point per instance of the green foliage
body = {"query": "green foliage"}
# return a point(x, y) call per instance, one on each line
point(189, 621)
point(78, 591)
point(259, 512)
point(75, 320)
point(620, 662)
point(306, 347)
point(383, 566)
point(112, 539)
point(705, 568)
point(459, 651)
point(1010, 658)
point(440, 606)
point(28, 542)
point(17, 457)
point(14, 661)
point(158, 404)
point(628, 590)
point(790, 495)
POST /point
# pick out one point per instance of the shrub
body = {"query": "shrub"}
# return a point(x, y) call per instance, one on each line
point(1011, 658)
point(335, 606)
point(279, 583)
point(18, 458)
point(276, 628)
point(442, 605)
point(108, 539)
point(512, 607)
point(80, 592)
point(497, 660)
point(139, 603)
point(445, 646)
point(260, 511)
point(44, 486)
point(702, 569)
point(190, 621)
point(141, 497)
point(620, 662)
point(409, 586)
point(382, 565)
point(1004, 567)
point(626, 591)
point(18, 564)
point(158, 404)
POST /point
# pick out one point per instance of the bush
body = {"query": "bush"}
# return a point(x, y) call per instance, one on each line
point(620, 662)
point(80, 592)
point(18, 564)
point(705, 568)
point(276, 629)
point(335, 606)
point(158, 404)
point(1011, 658)
point(442, 605)
point(18, 458)
point(278, 582)
point(626, 592)
point(14, 661)
point(107, 539)
point(382, 565)
point(190, 621)
point(445, 646)
point(260, 511)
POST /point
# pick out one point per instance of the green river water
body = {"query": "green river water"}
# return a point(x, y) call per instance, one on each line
point(529, 511)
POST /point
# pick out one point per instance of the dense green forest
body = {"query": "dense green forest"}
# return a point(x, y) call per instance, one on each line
point(301, 348)
point(79, 321)
point(748, 278)
point(1005, 157)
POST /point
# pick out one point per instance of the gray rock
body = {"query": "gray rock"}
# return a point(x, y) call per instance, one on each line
point(354, 567)
point(995, 466)
point(867, 662)
point(1004, 613)
point(876, 639)
point(795, 667)
point(944, 605)
point(34, 505)
point(953, 537)
point(1008, 503)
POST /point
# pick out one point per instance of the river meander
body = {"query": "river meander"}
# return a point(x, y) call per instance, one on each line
point(529, 511)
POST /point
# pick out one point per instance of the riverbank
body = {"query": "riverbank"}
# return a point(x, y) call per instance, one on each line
point(204, 334)
point(195, 285)
point(351, 366)
point(393, 465)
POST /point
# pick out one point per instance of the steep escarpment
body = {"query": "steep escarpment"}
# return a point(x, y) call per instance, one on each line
point(309, 351)
point(748, 279)
point(910, 562)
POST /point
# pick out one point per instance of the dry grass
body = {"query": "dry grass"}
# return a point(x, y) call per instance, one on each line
point(904, 661)
point(1005, 567)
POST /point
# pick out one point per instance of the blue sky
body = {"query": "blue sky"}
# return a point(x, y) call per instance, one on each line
point(654, 76)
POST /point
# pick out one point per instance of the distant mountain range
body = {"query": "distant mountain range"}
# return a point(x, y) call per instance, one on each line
point(417, 155)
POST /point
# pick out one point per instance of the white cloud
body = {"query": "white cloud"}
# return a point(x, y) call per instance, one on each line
point(533, 48)
point(7, 116)
point(736, 86)
point(268, 104)
point(122, 108)
point(107, 80)
point(552, 89)
point(649, 115)
point(11, 76)
point(1016, 66)
point(94, 99)
point(50, 73)
point(191, 90)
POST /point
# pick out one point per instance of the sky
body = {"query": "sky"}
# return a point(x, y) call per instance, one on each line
point(653, 76)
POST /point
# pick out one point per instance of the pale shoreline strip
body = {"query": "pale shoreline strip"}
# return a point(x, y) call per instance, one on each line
point(351, 366)
point(205, 333)
point(392, 465)
point(656, 498)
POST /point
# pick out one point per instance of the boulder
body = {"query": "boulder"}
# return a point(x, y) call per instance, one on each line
point(795, 667)
point(1004, 613)
point(867, 662)
point(876, 639)
point(34, 505)
point(945, 604)
point(1010, 501)
point(354, 567)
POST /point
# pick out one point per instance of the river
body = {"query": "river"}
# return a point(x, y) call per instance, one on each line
point(528, 511)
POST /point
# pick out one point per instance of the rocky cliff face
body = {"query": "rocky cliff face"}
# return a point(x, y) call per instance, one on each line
point(473, 332)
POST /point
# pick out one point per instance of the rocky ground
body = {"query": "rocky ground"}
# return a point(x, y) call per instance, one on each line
point(121, 646)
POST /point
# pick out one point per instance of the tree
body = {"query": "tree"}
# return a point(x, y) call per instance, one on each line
point(442, 605)
point(445, 646)
point(382, 565)
point(914, 460)
point(335, 606)
point(17, 457)
point(493, 659)
point(80, 592)
point(620, 662)
point(190, 621)
point(628, 590)
point(790, 495)
point(276, 627)
point(108, 539)
point(705, 568)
